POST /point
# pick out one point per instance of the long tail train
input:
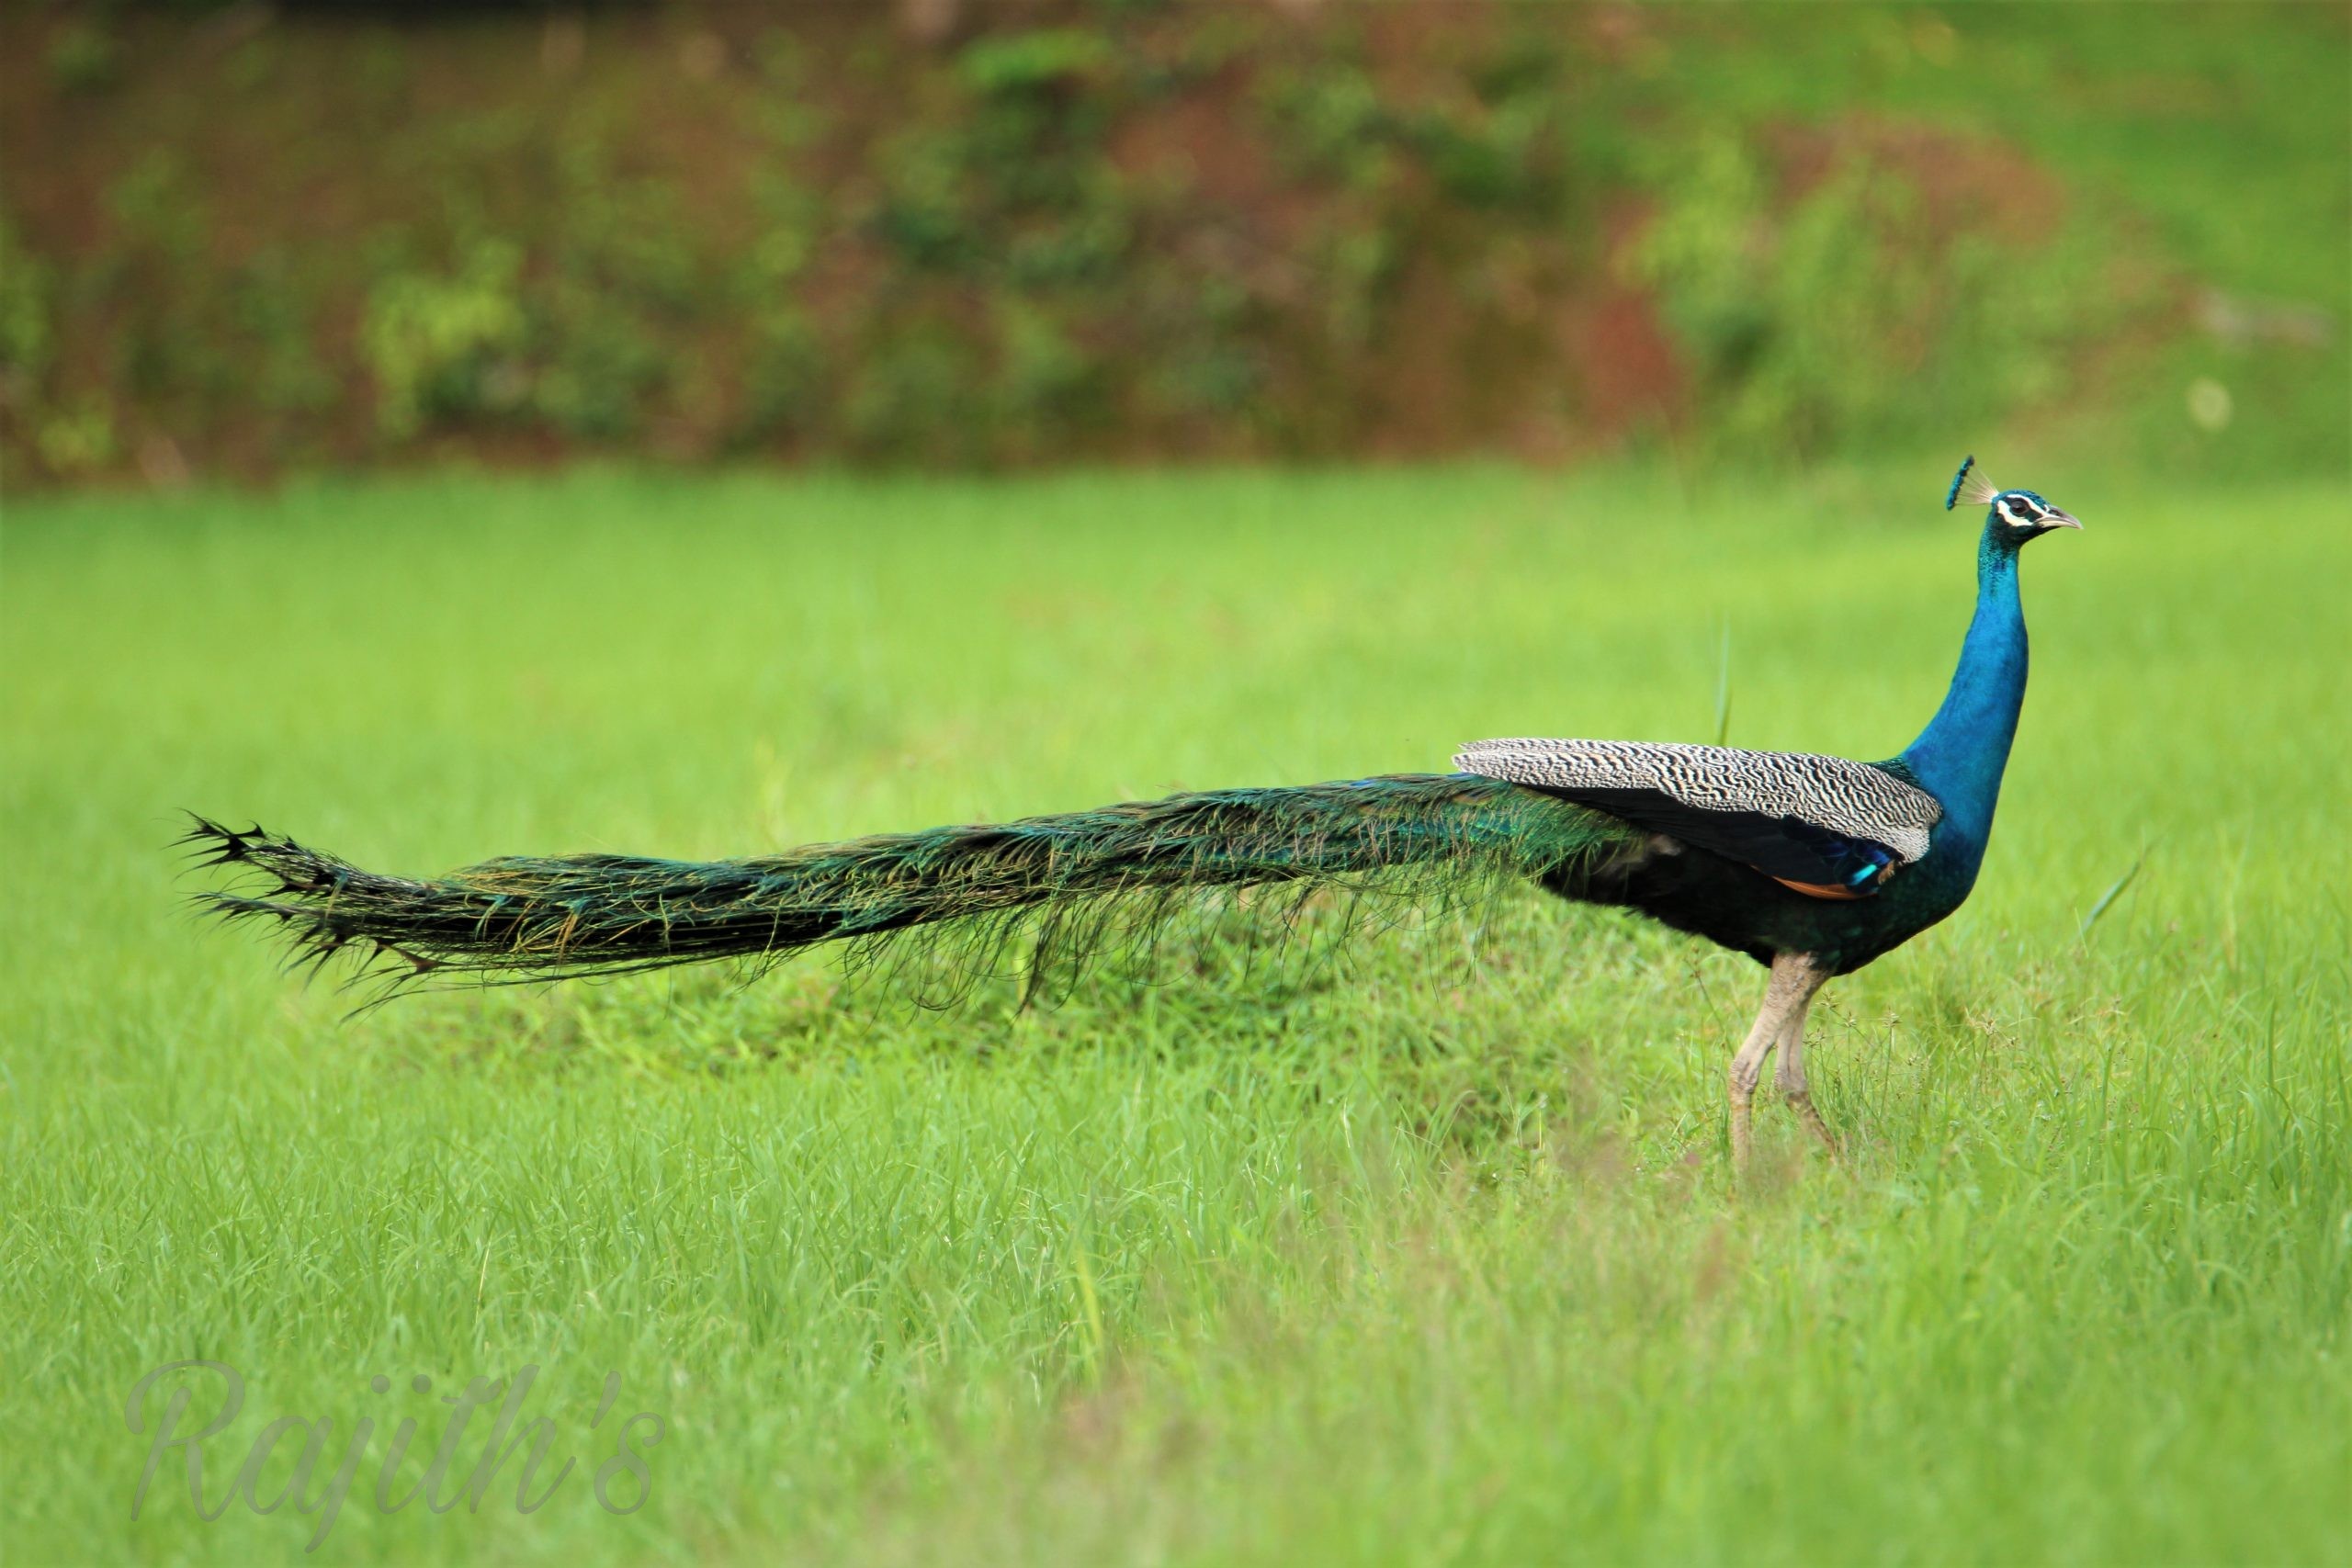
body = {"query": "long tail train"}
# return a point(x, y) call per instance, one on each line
point(1072, 881)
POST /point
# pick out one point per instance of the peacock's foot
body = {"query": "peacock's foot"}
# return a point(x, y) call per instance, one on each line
point(1801, 1103)
point(1781, 1025)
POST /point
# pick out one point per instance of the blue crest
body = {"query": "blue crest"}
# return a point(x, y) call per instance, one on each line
point(1951, 496)
point(1978, 492)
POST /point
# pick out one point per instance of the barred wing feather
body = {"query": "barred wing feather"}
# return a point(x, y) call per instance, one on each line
point(1822, 825)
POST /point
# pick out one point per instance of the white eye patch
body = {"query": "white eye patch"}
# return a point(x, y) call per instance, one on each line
point(2017, 513)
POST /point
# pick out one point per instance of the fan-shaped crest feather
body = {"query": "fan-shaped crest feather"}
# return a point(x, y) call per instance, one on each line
point(1972, 486)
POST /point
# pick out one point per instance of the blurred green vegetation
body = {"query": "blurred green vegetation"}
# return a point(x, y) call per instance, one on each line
point(236, 242)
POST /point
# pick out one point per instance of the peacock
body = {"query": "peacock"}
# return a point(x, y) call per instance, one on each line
point(1810, 865)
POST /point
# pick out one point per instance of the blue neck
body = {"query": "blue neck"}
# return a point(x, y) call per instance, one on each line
point(1959, 756)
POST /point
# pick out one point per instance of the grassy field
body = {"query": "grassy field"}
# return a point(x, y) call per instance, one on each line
point(1430, 1257)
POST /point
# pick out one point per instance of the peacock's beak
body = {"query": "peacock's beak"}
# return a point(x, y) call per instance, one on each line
point(2053, 518)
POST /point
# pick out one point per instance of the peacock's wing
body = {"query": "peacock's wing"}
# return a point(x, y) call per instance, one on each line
point(1822, 825)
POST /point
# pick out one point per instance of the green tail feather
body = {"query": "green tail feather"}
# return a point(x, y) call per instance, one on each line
point(1072, 884)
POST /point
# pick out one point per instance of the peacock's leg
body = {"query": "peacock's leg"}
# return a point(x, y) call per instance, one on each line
point(1790, 1075)
point(1794, 979)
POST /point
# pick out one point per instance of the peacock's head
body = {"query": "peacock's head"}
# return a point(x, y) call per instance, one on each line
point(2011, 516)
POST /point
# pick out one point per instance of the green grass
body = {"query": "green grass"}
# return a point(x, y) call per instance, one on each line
point(1432, 1258)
